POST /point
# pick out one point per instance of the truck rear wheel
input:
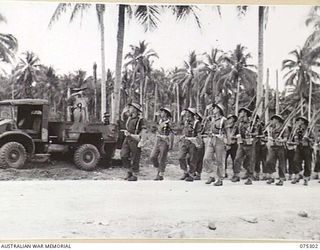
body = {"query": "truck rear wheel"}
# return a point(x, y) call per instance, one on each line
point(13, 155)
point(86, 157)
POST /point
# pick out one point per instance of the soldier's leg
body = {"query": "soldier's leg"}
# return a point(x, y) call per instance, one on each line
point(200, 162)
point(290, 157)
point(125, 154)
point(136, 154)
point(297, 159)
point(183, 151)
point(282, 164)
point(258, 151)
point(228, 152)
point(240, 155)
point(264, 153)
point(233, 153)
point(208, 159)
point(307, 163)
point(317, 164)
point(250, 152)
point(193, 152)
point(163, 149)
point(271, 164)
point(155, 154)
point(220, 153)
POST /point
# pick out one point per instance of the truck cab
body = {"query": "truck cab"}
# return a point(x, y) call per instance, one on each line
point(25, 131)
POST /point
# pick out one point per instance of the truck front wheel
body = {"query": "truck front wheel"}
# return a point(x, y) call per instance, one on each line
point(86, 157)
point(13, 155)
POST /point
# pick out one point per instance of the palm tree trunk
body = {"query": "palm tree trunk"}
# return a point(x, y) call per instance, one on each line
point(155, 101)
point(310, 99)
point(120, 37)
point(301, 102)
point(178, 103)
point(277, 93)
point(198, 99)
point(237, 97)
point(260, 56)
point(103, 67)
point(267, 99)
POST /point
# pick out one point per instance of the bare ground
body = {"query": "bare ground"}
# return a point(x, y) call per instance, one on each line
point(33, 204)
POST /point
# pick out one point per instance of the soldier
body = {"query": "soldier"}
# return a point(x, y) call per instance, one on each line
point(302, 138)
point(131, 147)
point(245, 152)
point(189, 145)
point(277, 139)
point(290, 149)
point(260, 153)
point(317, 154)
point(231, 141)
point(164, 143)
point(215, 146)
point(199, 164)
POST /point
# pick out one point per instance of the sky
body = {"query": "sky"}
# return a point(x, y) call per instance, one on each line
point(73, 46)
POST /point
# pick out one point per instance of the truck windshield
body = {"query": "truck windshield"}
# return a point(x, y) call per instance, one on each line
point(6, 111)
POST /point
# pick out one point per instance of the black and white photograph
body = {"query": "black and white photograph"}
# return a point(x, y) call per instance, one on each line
point(159, 121)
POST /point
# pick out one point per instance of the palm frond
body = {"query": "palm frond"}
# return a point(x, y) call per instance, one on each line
point(148, 16)
point(61, 8)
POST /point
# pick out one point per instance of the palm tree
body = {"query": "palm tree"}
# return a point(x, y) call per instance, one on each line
point(100, 10)
point(239, 73)
point(302, 71)
point(26, 72)
point(175, 88)
point(263, 14)
point(211, 70)
point(8, 45)
point(140, 59)
point(314, 20)
point(148, 16)
point(186, 77)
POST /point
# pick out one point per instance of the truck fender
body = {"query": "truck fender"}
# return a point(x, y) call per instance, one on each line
point(18, 136)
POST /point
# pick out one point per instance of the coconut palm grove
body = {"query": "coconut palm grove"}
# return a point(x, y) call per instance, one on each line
point(185, 121)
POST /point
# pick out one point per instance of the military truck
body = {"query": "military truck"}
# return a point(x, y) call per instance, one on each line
point(26, 132)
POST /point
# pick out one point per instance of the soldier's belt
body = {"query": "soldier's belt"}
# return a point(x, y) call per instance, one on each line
point(163, 136)
point(190, 137)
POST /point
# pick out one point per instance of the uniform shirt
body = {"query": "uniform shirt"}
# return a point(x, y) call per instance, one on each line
point(191, 128)
point(298, 135)
point(164, 127)
point(275, 133)
point(135, 125)
point(218, 126)
point(243, 129)
point(230, 132)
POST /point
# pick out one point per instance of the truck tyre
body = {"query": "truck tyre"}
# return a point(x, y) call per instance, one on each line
point(86, 157)
point(13, 155)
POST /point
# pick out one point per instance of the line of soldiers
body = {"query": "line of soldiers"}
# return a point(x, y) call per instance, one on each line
point(206, 143)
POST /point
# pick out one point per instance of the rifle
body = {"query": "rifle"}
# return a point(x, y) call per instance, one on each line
point(290, 116)
point(255, 113)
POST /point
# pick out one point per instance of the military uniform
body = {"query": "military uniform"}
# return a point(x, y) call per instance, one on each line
point(189, 145)
point(163, 143)
point(130, 152)
point(246, 150)
point(215, 148)
point(231, 144)
point(277, 151)
point(303, 153)
point(290, 151)
point(200, 149)
point(317, 156)
point(261, 151)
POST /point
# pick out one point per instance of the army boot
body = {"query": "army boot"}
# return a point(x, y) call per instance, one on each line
point(210, 180)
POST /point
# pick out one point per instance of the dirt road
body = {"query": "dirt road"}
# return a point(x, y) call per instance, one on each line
point(103, 209)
